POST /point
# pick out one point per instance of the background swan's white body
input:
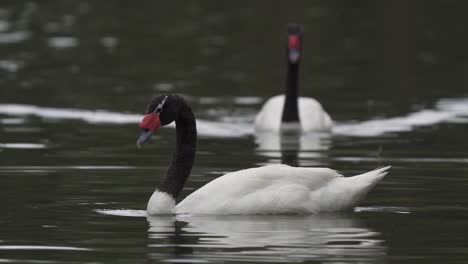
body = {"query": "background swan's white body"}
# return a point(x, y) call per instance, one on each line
point(312, 117)
point(273, 189)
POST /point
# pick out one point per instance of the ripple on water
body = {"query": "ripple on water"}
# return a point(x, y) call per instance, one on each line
point(23, 145)
point(384, 209)
point(63, 42)
point(12, 121)
point(10, 65)
point(14, 37)
point(36, 247)
point(122, 212)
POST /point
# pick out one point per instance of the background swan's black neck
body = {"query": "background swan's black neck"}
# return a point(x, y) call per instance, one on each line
point(183, 158)
point(290, 110)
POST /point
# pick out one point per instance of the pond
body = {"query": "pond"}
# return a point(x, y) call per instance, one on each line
point(76, 76)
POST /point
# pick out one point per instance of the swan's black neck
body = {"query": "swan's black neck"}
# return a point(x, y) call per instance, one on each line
point(183, 158)
point(290, 110)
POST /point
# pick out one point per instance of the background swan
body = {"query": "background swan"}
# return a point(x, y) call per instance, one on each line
point(272, 189)
point(289, 110)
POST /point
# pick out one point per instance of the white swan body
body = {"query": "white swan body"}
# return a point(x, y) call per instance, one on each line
point(274, 189)
point(311, 114)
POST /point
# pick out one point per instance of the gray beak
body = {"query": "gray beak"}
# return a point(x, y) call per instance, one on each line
point(144, 136)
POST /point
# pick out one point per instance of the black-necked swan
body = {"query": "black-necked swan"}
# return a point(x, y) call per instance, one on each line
point(288, 110)
point(272, 189)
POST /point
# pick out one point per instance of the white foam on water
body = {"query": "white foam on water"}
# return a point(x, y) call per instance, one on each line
point(89, 116)
point(204, 127)
point(446, 110)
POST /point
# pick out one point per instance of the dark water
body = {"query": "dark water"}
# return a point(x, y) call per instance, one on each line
point(75, 77)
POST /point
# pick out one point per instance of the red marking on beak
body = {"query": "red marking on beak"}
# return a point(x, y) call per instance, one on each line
point(150, 122)
point(294, 42)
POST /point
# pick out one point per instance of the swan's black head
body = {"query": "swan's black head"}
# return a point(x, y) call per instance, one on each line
point(295, 34)
point(162, 110)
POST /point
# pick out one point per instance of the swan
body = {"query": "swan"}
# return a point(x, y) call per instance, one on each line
point(271, 189)
point(288, 111)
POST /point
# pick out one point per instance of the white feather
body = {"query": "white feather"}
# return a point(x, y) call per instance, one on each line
point(160, 203)
point(279, 189)
point(312, 117)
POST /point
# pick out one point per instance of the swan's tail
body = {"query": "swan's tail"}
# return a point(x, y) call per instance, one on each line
point(371, 177)
point(346, 192)
point(359, 185)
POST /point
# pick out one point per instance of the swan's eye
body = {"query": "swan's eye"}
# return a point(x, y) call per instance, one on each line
point(159, 108)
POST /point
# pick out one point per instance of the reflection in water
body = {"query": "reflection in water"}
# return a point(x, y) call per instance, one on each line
point(330, 237)
point(293, 148)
